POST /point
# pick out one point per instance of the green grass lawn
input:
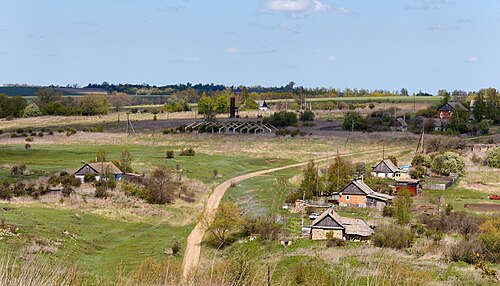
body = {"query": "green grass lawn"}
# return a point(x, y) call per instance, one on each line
point(455, 196)
point(101, 247)
point(42, 160)
point(263, 195)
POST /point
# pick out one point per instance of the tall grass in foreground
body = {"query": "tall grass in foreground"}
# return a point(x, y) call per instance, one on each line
point(33, 271)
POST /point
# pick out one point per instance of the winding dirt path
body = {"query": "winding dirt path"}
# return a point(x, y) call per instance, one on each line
point(193, 245)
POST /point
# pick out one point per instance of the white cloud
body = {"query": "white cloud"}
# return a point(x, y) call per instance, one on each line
point(443, 27)
point(331, 58)
point(233, 51)
point(472, 59)
point(236, 51)
point(298, 8)
point(426, 4)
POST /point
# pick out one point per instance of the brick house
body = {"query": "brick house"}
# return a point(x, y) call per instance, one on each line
point(359, 194)
point(446, 110)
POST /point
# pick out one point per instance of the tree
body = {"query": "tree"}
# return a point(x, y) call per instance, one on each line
point(310, 182)
point(160, 187)
point(353, 120)
point(404, 92)
point(448, 162)
point(402, 206)
point(493, 157)
point(101, 155)
point(282, 119)
point(339, 175)
point(11, 106)
point(126, 161)
point(458, 121)
point(227, 220)
point(221, 104)
point(119, 99)
point(393, 159)
point(46, 96)
point(479, 111)
point(32, 110)
point(446, 97)
point(251, 104)
point(307, 115)
point(206, 106)
point(94, 104)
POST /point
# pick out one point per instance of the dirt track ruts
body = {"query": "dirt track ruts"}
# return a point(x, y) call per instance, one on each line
point(193, 244)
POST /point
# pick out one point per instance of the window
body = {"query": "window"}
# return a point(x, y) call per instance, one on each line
point(347, 197)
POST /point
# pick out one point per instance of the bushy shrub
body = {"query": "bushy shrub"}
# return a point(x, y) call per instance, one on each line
point(29, 139)
point(392, 236)
point(465, 250)
point(133, 190)
point(448, 162)
point(187, 152)
point(307, 115)
point(438, 144)
point(492, 158)
point(89, 178)
point(454, 223)
point(282, 119)
point(27, 146)
point(335, 242)
point(170, 154)
point(265, 227)
point(70, 131)
point(417, 172)
point(18, 170)
point(371, 106)
point(353, 120)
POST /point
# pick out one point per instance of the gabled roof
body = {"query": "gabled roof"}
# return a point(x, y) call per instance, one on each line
point(385, 166)
point(356, 187)
point(354, 226)
point(380, 196)
point(328, 219)
point(99, 168)
point(452, 105)
point(402, 122)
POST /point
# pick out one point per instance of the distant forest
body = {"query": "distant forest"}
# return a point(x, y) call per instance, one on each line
point(289, 90)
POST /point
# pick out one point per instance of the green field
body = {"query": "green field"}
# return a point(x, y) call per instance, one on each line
point(43, 160)
point(99, 246)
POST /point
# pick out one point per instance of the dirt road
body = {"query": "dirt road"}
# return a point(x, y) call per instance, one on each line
point(193, 245)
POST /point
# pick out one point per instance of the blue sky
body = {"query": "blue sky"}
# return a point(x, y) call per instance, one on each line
point(376, 44)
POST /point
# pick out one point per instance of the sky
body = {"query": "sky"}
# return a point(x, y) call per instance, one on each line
point(374, 44)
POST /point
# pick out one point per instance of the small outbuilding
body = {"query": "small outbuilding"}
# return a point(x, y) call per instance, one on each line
point(330, 225)
point(98, 170)
point(385, 169)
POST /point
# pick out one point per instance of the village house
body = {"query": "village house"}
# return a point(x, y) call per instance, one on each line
point(330, 225)
point(98, 169)
point(385, 169)
point(359, 194)
point(446, 110)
